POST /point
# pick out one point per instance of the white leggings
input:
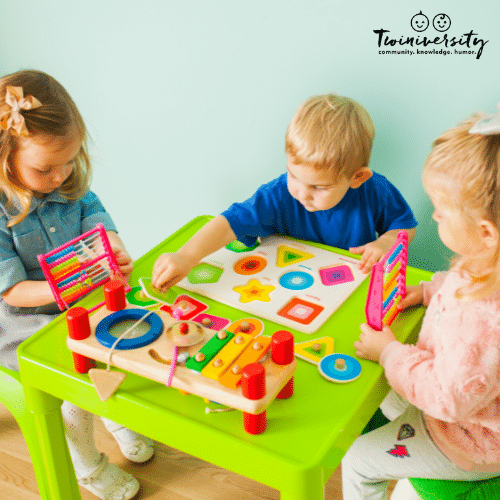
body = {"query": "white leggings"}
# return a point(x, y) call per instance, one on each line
point(79, 430)
point(402, 448)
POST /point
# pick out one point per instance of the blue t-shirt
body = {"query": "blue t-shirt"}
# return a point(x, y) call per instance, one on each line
point(51, 222)
point(370, 210)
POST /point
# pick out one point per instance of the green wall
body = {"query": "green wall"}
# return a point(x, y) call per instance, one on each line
point(187, 101)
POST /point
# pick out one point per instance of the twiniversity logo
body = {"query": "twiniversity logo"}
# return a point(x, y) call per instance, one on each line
point(468, 43)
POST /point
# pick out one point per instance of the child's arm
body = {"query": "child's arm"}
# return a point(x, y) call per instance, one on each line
point(375, 250)
point(29, 294)
point(453, 371)
point(38, 293)
point(170, 268)
point(371, 342)
point(123, 258)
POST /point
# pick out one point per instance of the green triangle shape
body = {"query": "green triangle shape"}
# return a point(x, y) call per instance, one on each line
point(319, 354)
point(290, 257)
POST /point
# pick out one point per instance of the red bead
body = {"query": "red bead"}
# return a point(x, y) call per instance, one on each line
point(184, 328)
point(114, 295)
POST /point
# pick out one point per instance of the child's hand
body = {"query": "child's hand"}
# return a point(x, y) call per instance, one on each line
point(124, 262)
point(371, 342)
point(372, 253)
point(414, 296)
point(169, 269)
point(122, 257)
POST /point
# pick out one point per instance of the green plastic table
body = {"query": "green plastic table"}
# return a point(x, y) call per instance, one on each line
point(306, 436)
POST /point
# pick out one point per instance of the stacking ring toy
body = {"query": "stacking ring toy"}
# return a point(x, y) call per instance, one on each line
point(154, 321)
point(339, 368)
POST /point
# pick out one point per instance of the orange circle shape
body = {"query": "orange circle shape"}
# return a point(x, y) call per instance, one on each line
point(250, 265)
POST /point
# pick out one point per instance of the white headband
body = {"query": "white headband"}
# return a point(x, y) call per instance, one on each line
point(489, 125)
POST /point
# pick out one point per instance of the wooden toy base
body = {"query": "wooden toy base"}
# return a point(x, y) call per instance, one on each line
point(153, 361)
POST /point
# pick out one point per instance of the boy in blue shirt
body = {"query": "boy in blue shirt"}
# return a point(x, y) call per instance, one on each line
point(328, 195)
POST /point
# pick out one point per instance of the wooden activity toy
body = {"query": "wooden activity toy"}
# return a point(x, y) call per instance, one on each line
point(282, 280)
point(387, 285)
point(236, 366)
point(79, 266)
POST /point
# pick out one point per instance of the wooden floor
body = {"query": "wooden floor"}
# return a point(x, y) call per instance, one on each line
point(171, 474)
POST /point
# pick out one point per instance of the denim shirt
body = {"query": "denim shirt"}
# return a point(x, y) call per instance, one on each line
point(51, 222)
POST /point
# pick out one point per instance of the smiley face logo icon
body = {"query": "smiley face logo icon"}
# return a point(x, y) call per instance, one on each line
point(441, 22)
point(419, 22)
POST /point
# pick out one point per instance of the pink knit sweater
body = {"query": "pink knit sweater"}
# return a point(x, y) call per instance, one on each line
point(453, 373)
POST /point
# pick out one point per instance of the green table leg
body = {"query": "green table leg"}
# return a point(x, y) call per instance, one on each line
point(60, 478)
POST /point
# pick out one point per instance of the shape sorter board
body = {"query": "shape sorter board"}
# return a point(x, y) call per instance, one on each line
point(289, 282)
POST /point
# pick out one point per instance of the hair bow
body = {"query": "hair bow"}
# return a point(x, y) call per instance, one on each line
point(489, 125)
point(10, 117)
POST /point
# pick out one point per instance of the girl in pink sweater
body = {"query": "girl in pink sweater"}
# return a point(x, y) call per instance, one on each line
point(448, 384)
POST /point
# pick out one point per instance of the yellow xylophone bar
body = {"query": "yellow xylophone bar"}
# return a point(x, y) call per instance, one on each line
point(223, 359)
point(254, 351)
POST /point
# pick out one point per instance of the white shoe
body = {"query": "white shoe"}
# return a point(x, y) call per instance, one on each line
point(109, 482)
point(139, 451)
point(136, 447)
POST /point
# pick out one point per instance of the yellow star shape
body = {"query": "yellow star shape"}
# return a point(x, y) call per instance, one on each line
point(253, 290)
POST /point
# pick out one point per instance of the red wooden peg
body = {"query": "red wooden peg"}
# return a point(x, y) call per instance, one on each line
point(77, 319)
point(282, 347)
point(287, 391)
point(282, 354)
point(114, 295)
point(253, 386)
point(255, 424)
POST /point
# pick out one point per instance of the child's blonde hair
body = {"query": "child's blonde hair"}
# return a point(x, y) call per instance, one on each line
point(56, 116)
point(462, 171)
point(330, 131)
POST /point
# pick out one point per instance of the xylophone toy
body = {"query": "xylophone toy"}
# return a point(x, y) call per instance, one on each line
point(79, 266)
point(234, 366)
point(387, 284)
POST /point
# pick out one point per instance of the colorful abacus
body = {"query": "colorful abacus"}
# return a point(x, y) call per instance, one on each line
point(387, 285)
point(79, 266)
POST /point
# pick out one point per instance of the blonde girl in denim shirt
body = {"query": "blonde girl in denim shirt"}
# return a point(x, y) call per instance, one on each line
point(44, 202)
